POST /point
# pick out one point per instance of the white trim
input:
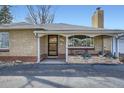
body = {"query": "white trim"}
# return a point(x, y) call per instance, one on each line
point(8, 40)
point(66, 50)
point(107, 32)
point(38, 49)
point(112, 46)
point(3, 48)
point(116, 47)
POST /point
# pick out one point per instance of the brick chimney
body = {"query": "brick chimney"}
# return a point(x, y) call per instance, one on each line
point(98, 18)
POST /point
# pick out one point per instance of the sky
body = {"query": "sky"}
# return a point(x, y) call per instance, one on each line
point(78, 14)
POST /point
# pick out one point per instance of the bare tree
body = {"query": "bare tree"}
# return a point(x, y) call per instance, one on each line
point(40, 14)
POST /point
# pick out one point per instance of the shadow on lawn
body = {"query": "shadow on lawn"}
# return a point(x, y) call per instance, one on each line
point(67, 70)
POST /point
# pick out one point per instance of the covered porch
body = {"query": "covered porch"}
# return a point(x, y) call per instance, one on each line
point(97, 41)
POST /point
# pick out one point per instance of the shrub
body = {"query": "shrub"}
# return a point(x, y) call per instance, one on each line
point(100, 53)
point(110, 55)
point(114, 56)
point(86, 54)
point(121, 59)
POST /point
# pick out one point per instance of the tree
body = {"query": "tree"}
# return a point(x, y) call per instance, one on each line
point(40, 14)
point(5, 15)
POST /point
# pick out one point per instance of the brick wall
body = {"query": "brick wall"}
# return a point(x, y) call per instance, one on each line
point(21, 43)
point(20, 58)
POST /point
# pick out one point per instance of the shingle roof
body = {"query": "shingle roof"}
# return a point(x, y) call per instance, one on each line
point(49, 27)
point(21, 25)
point(62, 26)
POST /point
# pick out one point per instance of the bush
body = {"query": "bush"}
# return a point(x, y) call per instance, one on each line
point(121, 59)
point(114, 56)
point(110, 55)
point(100, 53)
point(86, 54)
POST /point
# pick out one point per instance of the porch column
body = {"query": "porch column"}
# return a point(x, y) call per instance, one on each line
point(66, 49)
point(103, 48)
point(38, 48)
point(116, 47)
point(112, 47)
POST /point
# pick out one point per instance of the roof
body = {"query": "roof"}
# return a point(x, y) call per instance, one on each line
point(69, 27)
point(21, 25)
point(52, 27)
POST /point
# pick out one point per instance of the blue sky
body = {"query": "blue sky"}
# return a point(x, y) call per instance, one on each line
point(79, 15)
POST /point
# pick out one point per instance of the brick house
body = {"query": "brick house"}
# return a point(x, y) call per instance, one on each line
point(33, 43)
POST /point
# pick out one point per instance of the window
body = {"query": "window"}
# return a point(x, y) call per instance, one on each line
point(4, 40)
point(81, 41)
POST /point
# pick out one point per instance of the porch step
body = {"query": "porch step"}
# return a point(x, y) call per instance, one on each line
point(53, 61)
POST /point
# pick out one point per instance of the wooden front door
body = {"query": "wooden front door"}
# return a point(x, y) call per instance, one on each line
point(52, 45)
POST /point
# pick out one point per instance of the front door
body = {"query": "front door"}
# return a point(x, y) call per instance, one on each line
point(52, 45)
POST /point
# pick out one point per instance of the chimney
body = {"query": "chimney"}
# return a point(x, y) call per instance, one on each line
point(98, 18)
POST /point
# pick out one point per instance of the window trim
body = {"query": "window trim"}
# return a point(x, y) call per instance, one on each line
point(83, 47)
point(5, 49)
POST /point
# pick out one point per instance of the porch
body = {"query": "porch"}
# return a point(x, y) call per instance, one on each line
point(64, 47)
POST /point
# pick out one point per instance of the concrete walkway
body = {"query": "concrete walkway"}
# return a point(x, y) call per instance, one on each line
point(62, 76)
point(53, 61)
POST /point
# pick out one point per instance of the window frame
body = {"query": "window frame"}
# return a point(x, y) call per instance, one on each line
point(5, 49)
point(82, 47)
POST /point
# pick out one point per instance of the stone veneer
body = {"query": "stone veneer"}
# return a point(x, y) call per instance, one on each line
point(92, 60)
